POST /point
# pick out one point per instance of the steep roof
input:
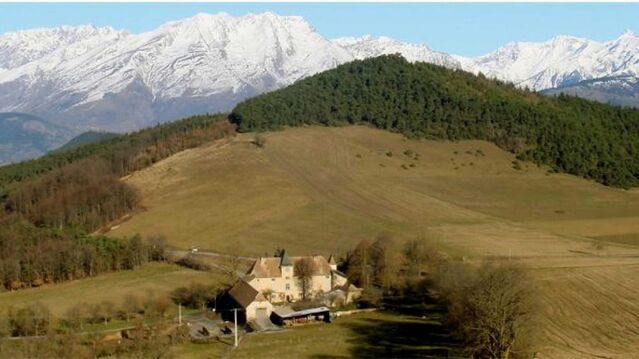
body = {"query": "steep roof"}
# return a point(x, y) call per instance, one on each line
point(270, 267)
point(285, 260)
point(244, 294)
point(319, 264)
point(331, 260)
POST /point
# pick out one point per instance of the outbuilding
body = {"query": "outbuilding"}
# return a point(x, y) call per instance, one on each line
point(286, 316)
point(253, 303)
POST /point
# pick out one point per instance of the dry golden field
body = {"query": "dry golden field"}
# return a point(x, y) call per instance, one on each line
point(323, 189)
point(150, 279)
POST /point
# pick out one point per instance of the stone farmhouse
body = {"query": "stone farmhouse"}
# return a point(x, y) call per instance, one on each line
point(273, 280)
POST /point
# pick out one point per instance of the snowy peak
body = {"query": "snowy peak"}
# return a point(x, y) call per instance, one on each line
point(21, 47)
point(200, 55)
point(628, 35)
point(369, 46)
point(560, 61)
point(213, 53)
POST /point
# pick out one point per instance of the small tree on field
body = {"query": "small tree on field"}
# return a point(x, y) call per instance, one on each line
point(131, 306)
point(162, 305)
point(77, 315)
point(105, 311)
point(34, 319)
point(303, 270)
point(259, 141)
point(157, 248)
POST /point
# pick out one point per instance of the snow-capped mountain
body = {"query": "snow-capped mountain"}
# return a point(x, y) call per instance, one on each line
point(21, 47)
point(90, 78)
point(561, 61)
point(121, 81)
point(368, 46)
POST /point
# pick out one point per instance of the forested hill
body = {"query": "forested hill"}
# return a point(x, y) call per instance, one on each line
point(49, 206)
point(571, 135)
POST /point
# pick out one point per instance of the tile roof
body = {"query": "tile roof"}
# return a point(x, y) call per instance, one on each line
point(244, 294)
point(269, 267)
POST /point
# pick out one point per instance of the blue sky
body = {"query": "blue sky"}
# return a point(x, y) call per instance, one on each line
point(465, 29)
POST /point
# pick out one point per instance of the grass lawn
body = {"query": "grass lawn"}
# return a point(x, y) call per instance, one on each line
point(200, 351)
point(378, 334)
point(158, 278)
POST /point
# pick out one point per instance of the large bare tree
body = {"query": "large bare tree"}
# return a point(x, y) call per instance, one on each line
point(303, 271)
point(492, 308)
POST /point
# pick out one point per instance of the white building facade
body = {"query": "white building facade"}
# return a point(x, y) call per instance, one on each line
point(276, 277)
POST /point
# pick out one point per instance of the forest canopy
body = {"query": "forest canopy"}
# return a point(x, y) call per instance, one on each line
point(572, 135)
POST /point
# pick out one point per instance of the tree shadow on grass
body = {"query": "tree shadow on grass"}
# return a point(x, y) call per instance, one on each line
point(404, 337)
point(411, 327)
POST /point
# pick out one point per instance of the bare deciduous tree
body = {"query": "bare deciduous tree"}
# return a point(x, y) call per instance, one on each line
point(233, 264)
point(492, 309)
point(359, 264)
point(131, 306)
point(384, 263)
point(303, 272)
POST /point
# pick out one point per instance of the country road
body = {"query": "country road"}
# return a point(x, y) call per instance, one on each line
point(182, 253)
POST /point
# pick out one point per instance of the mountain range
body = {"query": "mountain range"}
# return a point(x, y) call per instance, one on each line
point(99, 78)
point(24, 136)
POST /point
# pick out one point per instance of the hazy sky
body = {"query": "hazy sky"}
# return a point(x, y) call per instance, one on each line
point(464, 29)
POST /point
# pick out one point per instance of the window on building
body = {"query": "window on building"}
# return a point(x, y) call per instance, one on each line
point(272, 279)
point(288, 286)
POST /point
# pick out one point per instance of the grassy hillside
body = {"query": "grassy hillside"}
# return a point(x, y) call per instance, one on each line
point(329, 187)
point(571, 135)
point(159, 278)
point(322, 189)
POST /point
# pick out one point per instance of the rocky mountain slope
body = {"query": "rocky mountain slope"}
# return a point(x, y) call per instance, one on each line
point(620, 90)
